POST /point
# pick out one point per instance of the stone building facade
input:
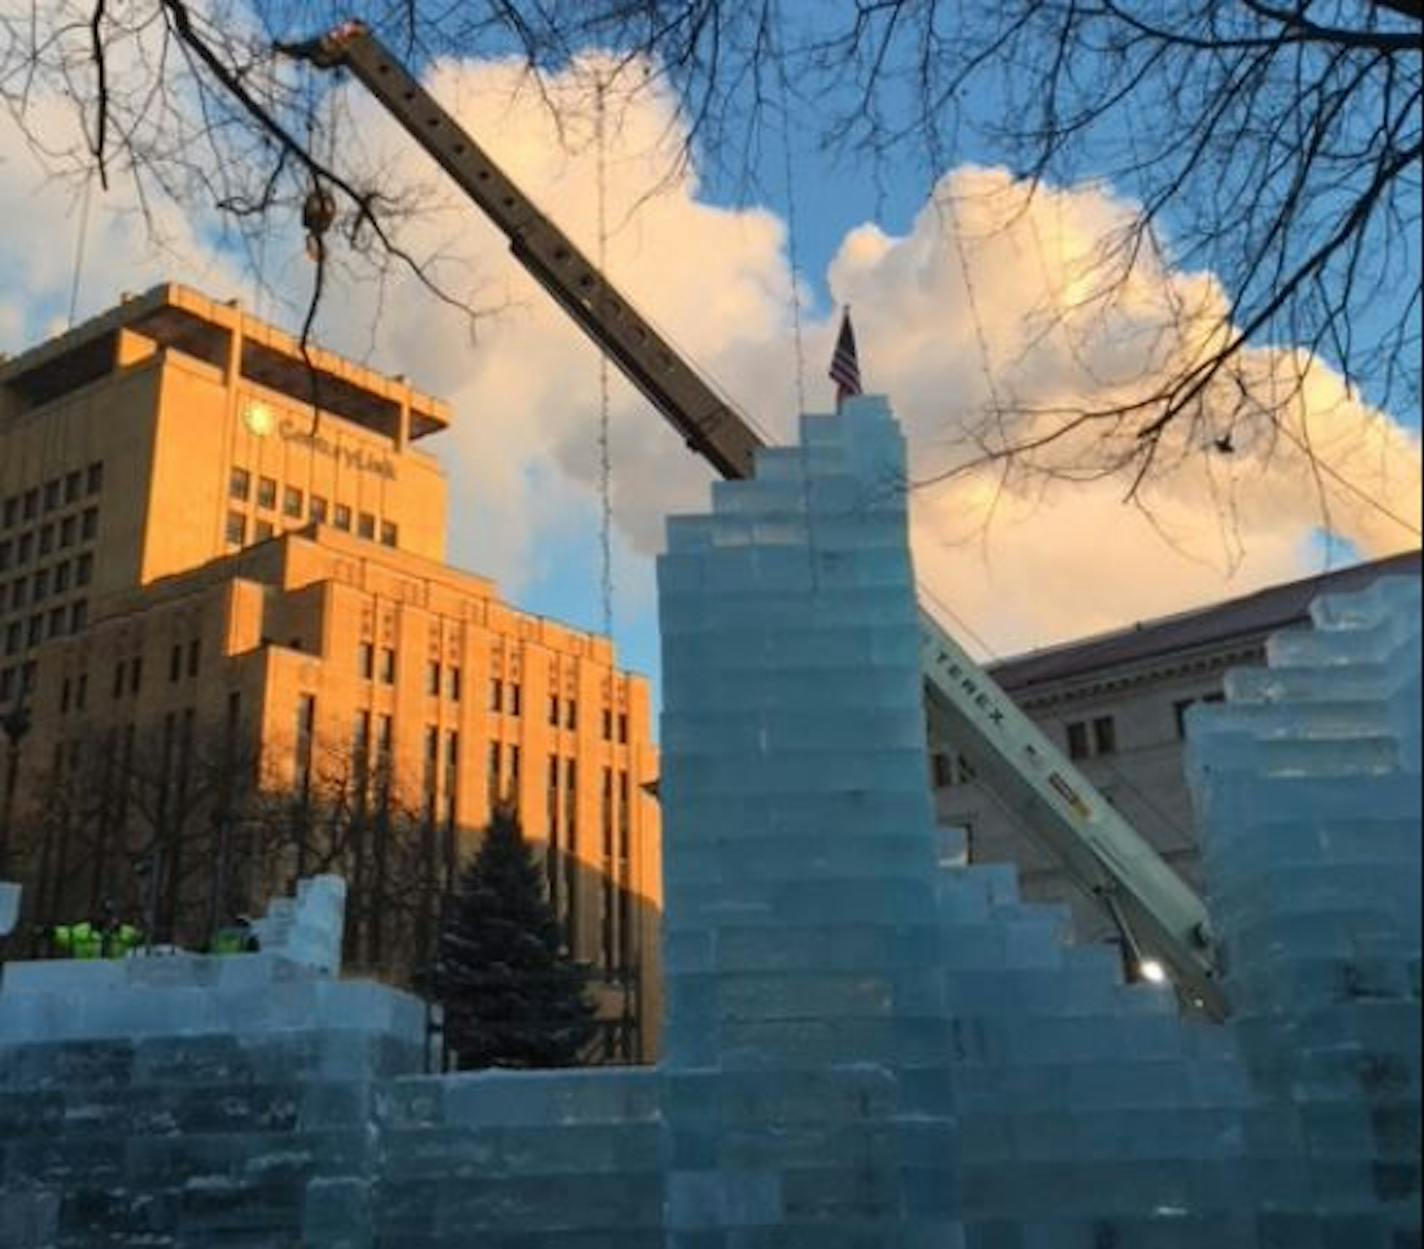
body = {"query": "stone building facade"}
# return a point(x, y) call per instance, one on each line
point(1115, 704)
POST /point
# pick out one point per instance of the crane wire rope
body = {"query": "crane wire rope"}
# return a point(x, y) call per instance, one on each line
point(79, 246)
point(793, 295)
point(792, 229)
point(605, 457)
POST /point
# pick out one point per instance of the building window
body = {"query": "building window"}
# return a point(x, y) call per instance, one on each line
point(607, 725)
point(366, 526)
point(135, 673)
point(496, 694)
point(51, 494)
point(31, 506)
point(624, 821)
point(64, 696)
point(554, 710)
point(34, 633)
point(1104, 735)
point(306, 723)
point(47, 539)
point(318, 509)
point(81, 691)
point(5, 549)
point(119, 679)
point(40, 583)
point(24, 547)
point(432, 678)
point(12, 510)
point(72, 484)
point(292, 501)
point(516, 699)
point(266, 492)
point(175, 663)
point(67, 529)
point(262, 531)
point(571, 803)
point(57, 617)
point(454, 680)
point(94, 478)
point(452, 759)
point(606, 820)
point(83, 569)
point(494, 753)
point(361, 751)
point(7, 684)
point(61, 578)
point(194, 656)
point(388, 532)
point(941, 770)
point(622, 728)
point(239, 485)
point(571, 716)
point(341, 517)
point(1078, 740)
point(388, 665)
point(78, 615)
point(17, 591)
point(366, 660)
point(236, 529)
point(12, 637)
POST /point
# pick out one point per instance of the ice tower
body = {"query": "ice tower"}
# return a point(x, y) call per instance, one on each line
point(802, 935)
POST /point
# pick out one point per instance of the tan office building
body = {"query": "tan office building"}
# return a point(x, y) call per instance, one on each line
point(212, 554)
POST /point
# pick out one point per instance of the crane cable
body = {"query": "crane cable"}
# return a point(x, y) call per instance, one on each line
point(793, 265)
point(605, 457)
point(79, 246)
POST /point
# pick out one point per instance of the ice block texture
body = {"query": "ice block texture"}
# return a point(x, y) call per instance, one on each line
point(802, 960)
point(1307, 788)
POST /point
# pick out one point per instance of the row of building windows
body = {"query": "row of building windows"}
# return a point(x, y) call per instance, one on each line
point(57, 623)
point(51, 536)
point(57, 492)
point(57, 579)
point(1086, 739)
point(506, 697)
point(297, 506)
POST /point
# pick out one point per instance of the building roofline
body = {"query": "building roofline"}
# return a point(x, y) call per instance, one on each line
point(175, 315)
point(1251, 616)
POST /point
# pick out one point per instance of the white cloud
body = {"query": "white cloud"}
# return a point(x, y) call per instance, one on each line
point(1058, 560)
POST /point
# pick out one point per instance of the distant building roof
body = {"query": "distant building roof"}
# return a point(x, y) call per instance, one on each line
point(1251, 616)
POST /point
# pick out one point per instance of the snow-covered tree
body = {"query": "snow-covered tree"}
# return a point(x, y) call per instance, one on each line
point(511, 997)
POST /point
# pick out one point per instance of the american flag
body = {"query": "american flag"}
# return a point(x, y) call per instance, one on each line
point(845, 368)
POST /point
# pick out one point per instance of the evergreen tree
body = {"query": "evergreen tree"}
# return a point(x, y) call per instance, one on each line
point(511, 998)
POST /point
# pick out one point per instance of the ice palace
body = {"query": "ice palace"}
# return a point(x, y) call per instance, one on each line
point(865, 1050)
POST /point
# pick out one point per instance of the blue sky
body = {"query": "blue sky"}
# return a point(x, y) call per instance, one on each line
point(708, 261)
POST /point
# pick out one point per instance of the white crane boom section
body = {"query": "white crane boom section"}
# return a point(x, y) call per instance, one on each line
point(1159, 914)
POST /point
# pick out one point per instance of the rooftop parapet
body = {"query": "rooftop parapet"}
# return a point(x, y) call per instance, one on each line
point(179, 318)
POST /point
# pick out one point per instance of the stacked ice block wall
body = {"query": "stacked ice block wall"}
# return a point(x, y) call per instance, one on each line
point(802, 952)
point(1307, 791)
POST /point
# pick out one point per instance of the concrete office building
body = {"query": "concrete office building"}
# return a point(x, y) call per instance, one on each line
point(1114, 704)
point(204, 541)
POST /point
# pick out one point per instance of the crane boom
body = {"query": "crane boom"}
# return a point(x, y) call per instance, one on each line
point(1160, 915)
